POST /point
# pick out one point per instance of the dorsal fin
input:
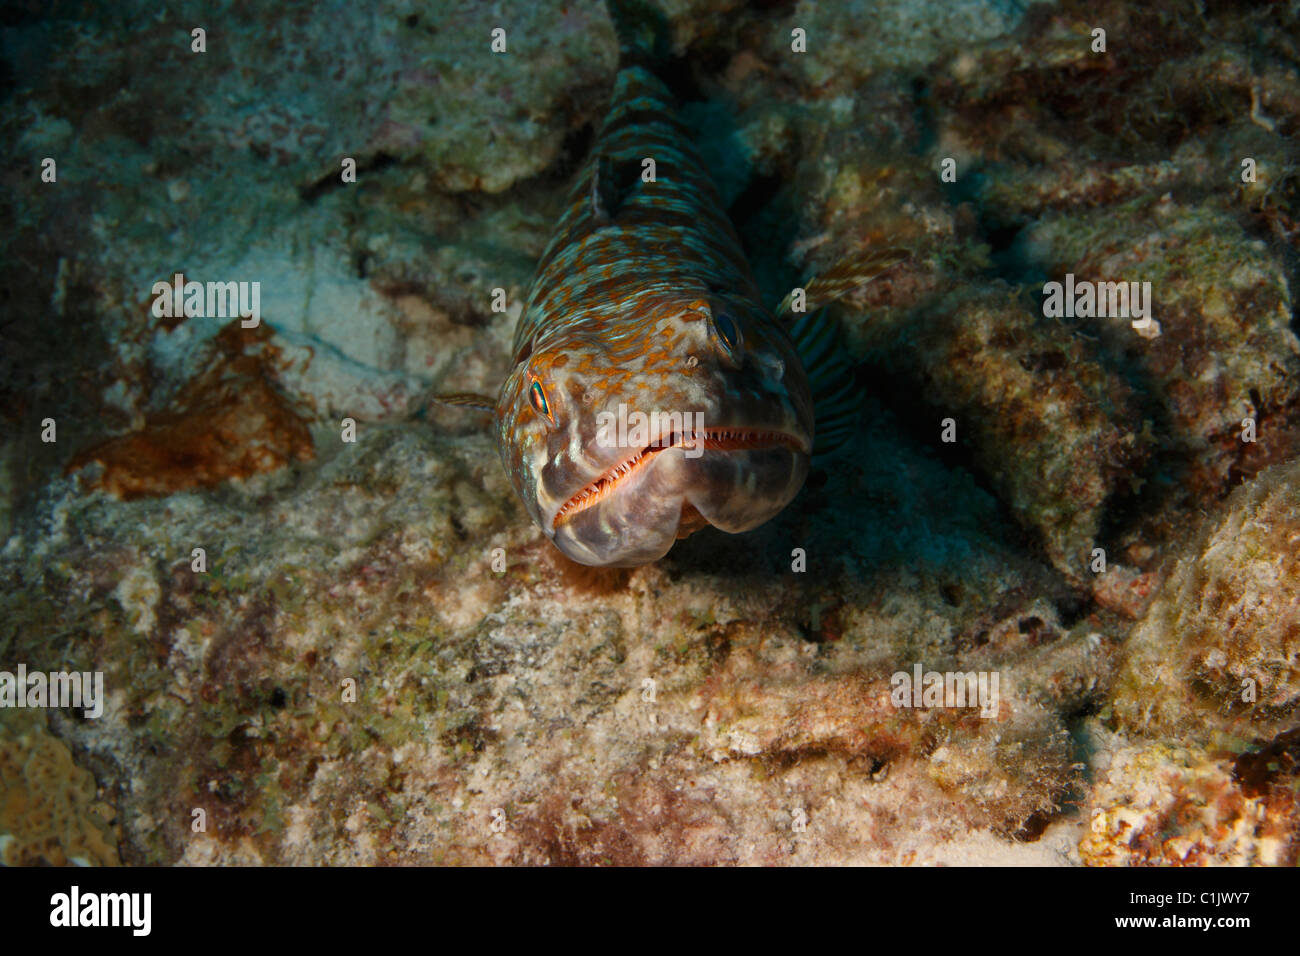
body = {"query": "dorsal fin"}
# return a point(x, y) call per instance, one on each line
point(611, 183)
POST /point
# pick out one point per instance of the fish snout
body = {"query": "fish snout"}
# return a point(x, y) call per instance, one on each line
point(734, 479)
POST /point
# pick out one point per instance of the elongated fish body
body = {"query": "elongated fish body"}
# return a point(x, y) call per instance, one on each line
point(651, 392)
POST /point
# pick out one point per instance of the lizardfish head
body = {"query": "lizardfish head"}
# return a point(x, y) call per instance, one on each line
point(623, 435)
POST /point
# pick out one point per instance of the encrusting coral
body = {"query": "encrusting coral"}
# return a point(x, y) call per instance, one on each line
point(49, 812)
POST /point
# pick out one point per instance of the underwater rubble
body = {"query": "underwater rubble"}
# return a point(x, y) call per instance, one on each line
point(329, 633)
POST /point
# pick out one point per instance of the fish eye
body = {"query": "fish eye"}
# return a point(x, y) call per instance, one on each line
point(729, 334)
point(537, 395)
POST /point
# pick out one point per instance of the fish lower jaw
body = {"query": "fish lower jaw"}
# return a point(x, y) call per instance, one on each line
point(713, 439)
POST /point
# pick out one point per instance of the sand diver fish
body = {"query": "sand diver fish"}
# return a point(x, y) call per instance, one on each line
point(644, 313)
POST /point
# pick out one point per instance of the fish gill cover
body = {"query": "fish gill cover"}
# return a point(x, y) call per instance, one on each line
point(285, 285)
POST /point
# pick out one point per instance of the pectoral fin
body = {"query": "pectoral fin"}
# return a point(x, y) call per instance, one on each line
point(466, 400)
point(817, 335)
point(844, 277)
point(836, 399)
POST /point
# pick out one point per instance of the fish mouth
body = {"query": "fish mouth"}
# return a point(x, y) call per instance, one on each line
point(713, 439)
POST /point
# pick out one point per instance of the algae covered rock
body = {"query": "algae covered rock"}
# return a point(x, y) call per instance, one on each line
point(1056, 432)
point(1219, 648)
point(1220, 350)
point(1164, 804)
point(717, 707)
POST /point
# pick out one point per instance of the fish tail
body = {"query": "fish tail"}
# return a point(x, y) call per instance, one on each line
point(643, 35)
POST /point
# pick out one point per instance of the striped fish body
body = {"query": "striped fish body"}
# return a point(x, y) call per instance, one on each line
point(651, 393)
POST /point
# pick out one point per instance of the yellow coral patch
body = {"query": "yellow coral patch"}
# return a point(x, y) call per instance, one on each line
point(49, 813)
